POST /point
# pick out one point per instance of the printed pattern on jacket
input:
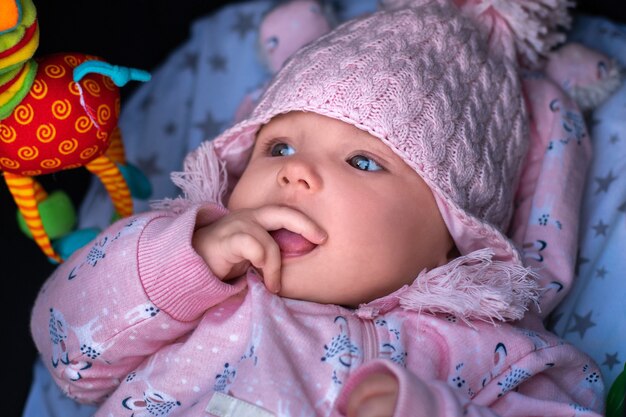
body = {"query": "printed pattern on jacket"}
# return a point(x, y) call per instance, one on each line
point(123, 343)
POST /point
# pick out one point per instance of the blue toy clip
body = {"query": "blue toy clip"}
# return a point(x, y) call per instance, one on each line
point(119, 75)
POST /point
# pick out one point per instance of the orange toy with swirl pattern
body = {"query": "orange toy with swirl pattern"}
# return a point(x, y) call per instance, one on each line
point(56, 112)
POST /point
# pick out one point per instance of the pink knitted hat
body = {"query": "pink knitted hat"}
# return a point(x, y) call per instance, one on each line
point(437, 81)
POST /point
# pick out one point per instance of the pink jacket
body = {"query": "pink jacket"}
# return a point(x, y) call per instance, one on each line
point(137, 323)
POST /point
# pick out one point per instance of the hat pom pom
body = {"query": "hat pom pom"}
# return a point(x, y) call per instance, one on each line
point(534, 26)
point(526, 29)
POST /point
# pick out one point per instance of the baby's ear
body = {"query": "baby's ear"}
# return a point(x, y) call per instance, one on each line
point(587, 75)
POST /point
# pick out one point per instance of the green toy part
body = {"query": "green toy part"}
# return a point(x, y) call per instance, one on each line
point(115, 217)
point(57, 215)
point(19, 92)
point(617, 396)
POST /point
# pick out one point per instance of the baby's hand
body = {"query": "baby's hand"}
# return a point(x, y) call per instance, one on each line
point(375, 396)
point(242, 237)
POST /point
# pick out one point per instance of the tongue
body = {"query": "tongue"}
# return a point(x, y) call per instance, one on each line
point(291, 243)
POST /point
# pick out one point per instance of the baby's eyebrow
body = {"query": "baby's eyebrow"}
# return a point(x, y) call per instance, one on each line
point(376, 144)
point(268, 131)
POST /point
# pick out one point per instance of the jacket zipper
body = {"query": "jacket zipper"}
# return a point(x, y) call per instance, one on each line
point(370, 341)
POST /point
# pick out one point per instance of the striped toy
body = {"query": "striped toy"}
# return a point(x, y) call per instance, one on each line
point(57, 112)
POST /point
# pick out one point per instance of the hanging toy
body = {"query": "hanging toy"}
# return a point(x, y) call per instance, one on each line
point(59, 112)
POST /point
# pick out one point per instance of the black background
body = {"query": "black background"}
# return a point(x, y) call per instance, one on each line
point(134, 33)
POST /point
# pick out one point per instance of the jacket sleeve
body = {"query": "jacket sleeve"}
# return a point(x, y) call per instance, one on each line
point(550, 192)
point(541, 395)
point(137, 287)
point(549, 196)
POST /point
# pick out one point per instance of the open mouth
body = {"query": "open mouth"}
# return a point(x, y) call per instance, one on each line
point(291, 244)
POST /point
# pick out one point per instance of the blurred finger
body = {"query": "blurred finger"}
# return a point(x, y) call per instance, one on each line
point(378, 406)
point(375, 396)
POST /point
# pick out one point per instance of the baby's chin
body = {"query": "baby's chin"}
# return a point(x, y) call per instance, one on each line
point(318, 300)
point(321, 294)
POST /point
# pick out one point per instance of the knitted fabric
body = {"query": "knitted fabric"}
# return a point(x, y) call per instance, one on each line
point(426, 81)
point(422, 80)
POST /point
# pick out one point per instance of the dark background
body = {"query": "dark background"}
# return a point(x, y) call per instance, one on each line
point(134, 33)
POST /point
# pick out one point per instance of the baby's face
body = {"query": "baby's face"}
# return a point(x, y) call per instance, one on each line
point(382, 221)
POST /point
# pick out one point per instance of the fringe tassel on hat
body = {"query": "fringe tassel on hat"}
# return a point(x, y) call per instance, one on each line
point(203, 179)
point(534, 24)
point(474, 287)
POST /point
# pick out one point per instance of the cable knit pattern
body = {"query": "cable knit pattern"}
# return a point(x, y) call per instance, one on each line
point(422, 80)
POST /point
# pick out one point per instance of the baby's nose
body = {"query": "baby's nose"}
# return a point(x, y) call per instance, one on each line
point(300, 174)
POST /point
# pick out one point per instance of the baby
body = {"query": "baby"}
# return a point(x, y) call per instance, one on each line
point(339, 253)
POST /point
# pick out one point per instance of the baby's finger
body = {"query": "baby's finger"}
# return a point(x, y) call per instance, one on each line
point(272, 267)
point(261, 251)
point(282, 217)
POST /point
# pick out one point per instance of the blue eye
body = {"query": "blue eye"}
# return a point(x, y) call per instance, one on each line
point(364, 163)
point(281, 149)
